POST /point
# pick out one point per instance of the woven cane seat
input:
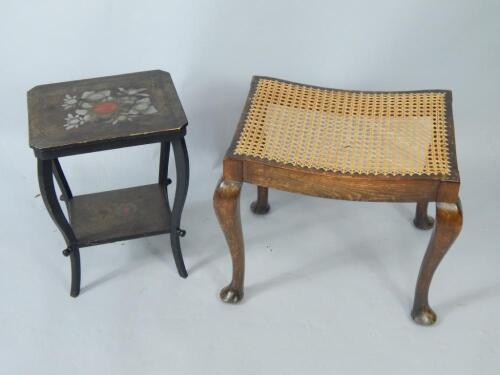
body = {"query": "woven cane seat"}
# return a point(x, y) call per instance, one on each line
point(348, 132)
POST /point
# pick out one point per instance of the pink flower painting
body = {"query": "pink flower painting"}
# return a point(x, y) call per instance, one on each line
point(106, 106)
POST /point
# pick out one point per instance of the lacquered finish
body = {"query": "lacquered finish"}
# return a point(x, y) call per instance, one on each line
point(112, 112)
point(49, 138)
point(182, 178)
point(48, 193)
point(66, 193)
point(119, 215)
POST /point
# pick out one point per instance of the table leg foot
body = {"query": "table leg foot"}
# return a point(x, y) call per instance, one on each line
point(261, 205)
point(176, 251)
point(424, 316)
point(231, 295)
point(422, 220)
point(74, 257)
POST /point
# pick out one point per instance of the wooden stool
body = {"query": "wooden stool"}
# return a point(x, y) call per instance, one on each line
point(97, 114)
point(360, 146)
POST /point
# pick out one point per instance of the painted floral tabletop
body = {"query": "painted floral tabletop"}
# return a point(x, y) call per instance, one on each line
point(100, 109)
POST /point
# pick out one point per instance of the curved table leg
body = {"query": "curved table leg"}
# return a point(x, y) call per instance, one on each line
point(182, 183)
point(47, 191)
point(261, 205)
point(226, 205)
point(66, 194)
point(422, 220)
point(449, 220)
point(163, 178)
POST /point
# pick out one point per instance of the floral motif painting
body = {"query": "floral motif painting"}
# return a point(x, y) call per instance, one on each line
point(109, 106)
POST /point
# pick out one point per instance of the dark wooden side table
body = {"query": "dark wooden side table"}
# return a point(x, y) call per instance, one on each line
point(351, 145)
point(105, 113)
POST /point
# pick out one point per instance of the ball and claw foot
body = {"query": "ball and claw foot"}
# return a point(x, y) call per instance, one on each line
point(231, 295)
point(424, 224)
point(424, 316)
point(259, 209)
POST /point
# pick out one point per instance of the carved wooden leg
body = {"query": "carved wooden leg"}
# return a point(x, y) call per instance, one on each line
point(227, 208)
point(448, 225)
point(422, 220)
point(261, 205)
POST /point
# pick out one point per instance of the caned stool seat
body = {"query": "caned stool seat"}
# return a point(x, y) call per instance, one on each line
point(353, 145)
point(348, 132)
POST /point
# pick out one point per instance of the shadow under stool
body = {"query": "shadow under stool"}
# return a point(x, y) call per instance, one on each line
point(350, 145)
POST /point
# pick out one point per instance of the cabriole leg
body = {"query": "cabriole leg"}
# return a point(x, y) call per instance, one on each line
point(227, 209)
point(182, 183)
point(48, 193)
point(448, 225)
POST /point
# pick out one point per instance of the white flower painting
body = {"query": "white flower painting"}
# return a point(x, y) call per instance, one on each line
point(107, 106)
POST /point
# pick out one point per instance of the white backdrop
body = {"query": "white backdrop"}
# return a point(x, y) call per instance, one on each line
point(321, 297)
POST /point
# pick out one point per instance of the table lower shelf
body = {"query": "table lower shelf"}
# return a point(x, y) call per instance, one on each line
point(119, 214)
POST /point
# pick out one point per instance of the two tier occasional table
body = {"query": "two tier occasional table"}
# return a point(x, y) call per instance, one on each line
point(106, 113)
point(359, 146)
